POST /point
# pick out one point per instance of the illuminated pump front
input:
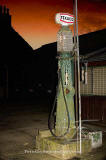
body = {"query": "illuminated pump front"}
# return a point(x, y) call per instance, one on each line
point(64, 36)
point(64, 39)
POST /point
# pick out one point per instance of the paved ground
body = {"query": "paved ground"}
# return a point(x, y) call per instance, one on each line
point(18, 128)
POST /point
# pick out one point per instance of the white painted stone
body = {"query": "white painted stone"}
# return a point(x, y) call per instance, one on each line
point(96, 139)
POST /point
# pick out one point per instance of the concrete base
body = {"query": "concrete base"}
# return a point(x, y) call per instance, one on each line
point(60, 148)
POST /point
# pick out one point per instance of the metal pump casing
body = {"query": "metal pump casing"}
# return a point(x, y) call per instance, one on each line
point(66, 87)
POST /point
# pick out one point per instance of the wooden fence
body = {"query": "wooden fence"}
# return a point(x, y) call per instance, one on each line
point(93, 108)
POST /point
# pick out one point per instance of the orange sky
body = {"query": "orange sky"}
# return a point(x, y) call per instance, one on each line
point(34, 19)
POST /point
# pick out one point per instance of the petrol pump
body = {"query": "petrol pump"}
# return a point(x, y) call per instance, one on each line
point(65, 139)
point(65, 115)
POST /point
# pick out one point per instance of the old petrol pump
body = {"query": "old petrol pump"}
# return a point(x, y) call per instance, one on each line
point(65, 116)
point(65, 140)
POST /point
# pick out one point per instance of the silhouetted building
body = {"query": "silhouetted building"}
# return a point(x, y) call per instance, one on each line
point(5, 17)
point(15, 58)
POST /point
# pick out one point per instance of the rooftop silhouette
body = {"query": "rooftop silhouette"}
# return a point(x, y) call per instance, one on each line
point(14, 49)
point(5, 17)
point(15, 57)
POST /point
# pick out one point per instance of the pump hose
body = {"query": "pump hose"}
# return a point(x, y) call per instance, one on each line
point(50, 117)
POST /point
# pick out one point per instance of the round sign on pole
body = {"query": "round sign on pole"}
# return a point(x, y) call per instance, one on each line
point(64, 19)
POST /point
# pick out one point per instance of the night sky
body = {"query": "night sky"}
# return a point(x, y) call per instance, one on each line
point(34, 19)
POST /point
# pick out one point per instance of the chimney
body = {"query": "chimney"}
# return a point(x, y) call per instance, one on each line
point(0, 10)
point(4, 10)
point(5, 17)
point(7, 11)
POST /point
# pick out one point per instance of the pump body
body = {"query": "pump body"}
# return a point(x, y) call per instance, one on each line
point(66, 86)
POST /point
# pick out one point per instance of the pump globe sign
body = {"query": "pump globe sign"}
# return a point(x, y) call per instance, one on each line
point(65, 19)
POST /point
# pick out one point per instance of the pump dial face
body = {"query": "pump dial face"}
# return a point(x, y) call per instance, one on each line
point(64, 41)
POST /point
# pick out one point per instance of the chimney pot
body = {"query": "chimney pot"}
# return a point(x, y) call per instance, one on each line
point(8, 11)
point(4, 9)
point(0, 10)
